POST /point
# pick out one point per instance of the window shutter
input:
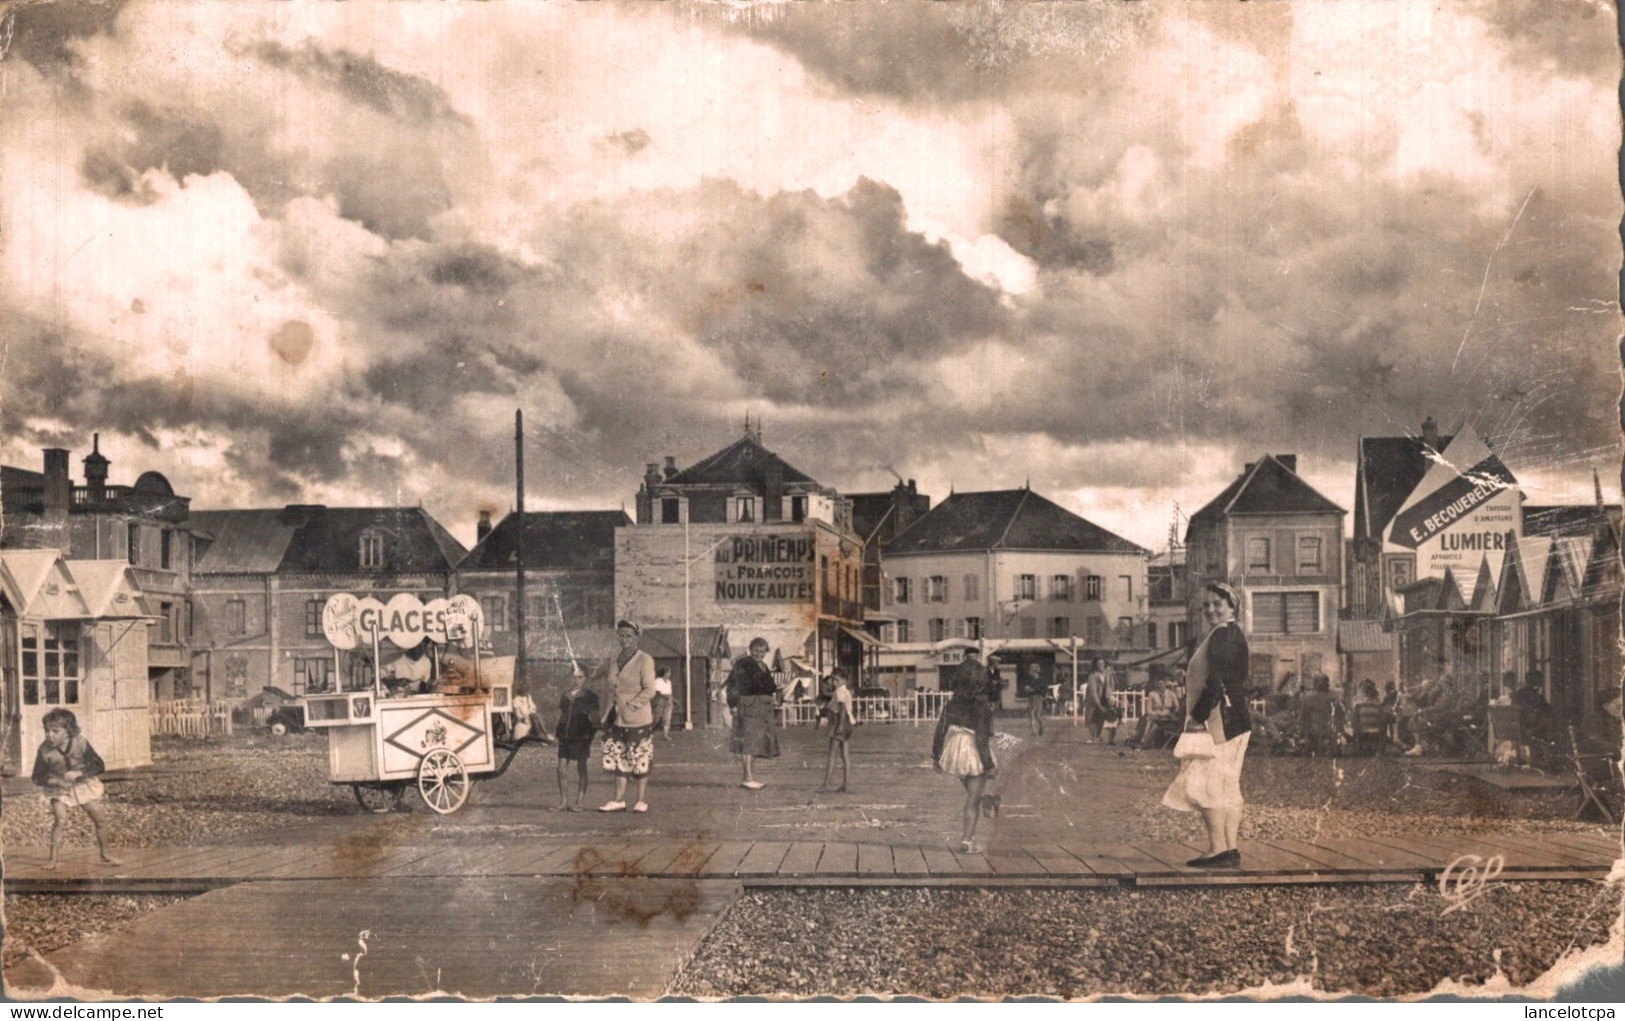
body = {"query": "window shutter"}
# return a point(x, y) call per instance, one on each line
point(1302, 612)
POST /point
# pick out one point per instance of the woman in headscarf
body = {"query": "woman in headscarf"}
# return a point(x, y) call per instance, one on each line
point(1216, 692)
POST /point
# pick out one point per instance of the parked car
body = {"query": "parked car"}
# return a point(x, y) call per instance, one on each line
point(287, 715)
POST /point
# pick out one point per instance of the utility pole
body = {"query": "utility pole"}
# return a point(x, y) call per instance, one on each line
point(519, 546)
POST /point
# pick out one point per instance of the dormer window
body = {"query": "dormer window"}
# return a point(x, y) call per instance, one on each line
point(372, 549)
point(744, 508)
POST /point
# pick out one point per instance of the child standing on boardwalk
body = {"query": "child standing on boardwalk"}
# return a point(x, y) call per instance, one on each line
point(840, 729)
point(579, 710)
point(963, 744)
point(67, 769)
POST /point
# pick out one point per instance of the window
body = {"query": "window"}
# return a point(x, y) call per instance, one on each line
point(1060, 627)
point(973, 627)
point(1127, 586)
point(905, 631)
point(188, 607)
point(936, 589)
point(671, 511)
point(1026, 586)
point(904, 587)
point(164, 538)
point(132, 543)
point(1097, 631)
point(1309, 554)
point(1060, 588)
point(1286, 613)
point(972, 588)
point(236, 617)
point(312, 675)
point(1176, 635)
point(1151, 634)
point(51, 665)
point(495, 610)
point(1258, 556)
point(372, 549)
point(1029, 627)
point(1091, 588)
point(166, 623)
point(538, 610)
point(1125, 630)
point(798, 508)
point(313, 617)
point(744, 508)
point(937, 629)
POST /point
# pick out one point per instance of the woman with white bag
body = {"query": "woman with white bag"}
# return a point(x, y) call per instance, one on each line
point(1214, 743)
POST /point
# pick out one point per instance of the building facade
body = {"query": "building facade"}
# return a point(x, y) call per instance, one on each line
point(1279, 541)
point(144, 525)
point(737, 546)
point(1009, 566)
point(569, 607)
point(264, 575)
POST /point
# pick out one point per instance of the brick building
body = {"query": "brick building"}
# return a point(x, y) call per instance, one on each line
point(1279, 541)
point(263, 576)
point(738, 545)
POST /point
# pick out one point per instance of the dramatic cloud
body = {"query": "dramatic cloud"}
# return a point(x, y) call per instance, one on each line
point(312, 251)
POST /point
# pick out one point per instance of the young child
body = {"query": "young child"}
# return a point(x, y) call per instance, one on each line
point(66, 768)
point(840, 730)
point(579, 711)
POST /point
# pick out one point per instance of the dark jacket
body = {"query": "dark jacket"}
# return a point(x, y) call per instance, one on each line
point(967, 708)
point(749, 677)
point(1226, 687)
point(53, 764)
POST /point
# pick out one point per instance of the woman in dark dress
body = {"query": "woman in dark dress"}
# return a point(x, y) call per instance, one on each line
point(751, 691)
point(1216, 691)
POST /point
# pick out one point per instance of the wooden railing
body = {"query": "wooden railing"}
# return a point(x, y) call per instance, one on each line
point(188, 717)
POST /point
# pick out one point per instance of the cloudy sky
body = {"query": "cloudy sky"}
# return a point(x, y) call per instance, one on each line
point(320, 252)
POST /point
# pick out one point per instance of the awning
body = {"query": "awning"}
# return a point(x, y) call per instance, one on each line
point(864, 638)
point(1359, 636)
point(668, 642)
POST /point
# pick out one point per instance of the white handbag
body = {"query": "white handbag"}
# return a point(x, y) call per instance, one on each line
point(1195, 744)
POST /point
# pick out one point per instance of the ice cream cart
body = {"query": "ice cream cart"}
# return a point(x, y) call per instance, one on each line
point(436, 732)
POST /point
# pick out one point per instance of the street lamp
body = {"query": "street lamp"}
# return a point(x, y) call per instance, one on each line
point(688, 624)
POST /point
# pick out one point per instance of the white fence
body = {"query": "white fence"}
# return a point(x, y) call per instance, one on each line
point(921, 705)
point(190, 718)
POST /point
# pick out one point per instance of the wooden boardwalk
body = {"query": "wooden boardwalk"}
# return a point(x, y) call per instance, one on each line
point(1373, 859)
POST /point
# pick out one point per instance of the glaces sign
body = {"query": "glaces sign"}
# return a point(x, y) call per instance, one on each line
point(766, 569)
point(405, 620)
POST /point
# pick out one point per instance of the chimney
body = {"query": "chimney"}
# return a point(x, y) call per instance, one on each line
point(1248, 467)
point(1289, 462)
point(298, 515)
point(96, 470)
point(58, 486)
point(773, 490)
point(1430, 433)
point(671, 466)
point(646, 493)
point(483, 529)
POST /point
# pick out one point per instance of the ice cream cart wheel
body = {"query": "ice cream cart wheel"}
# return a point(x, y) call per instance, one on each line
point(443, 781)
point(379, 798)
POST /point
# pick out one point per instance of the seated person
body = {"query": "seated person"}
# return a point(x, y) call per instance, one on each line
point(1162, 716)
point(1438, 719)
point(1317, 717)
point(1534, 715)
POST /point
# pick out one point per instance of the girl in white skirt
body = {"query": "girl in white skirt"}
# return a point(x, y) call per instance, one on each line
point(68, 770)
point(963, 745)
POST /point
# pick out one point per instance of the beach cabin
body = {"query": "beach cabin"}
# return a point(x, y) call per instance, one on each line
point(73, 634)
